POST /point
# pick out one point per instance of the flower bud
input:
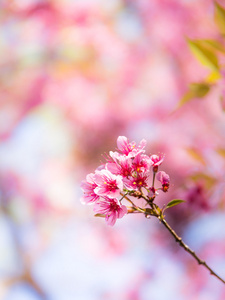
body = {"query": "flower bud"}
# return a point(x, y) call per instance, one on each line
point(164, 179)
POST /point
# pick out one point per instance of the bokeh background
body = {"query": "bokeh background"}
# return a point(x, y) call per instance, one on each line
point(74, 75)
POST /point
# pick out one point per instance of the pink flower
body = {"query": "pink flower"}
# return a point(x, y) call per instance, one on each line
point(152, 193)
point(108, 184)
point(128, 166)
point(141, 163)
point(156, 161)
point(129, 148)
point(88, 187)
point(122, 165)
point(111, 208)
point(137, 182)
point(164, 179)
point(124, 146)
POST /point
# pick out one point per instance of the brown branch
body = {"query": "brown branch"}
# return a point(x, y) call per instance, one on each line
point(186, 248)
point(157, 212)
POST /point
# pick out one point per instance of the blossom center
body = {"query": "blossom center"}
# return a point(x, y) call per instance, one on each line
point(111, 185)
point(114, 206)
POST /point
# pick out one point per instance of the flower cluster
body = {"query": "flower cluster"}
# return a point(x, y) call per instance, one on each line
point(126, 172)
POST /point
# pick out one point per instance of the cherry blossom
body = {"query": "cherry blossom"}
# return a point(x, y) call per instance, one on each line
point(156, 161)
point(111, 208)
point(127, 148)
point(164, 179)
point(122, 166)
point(108, 184)
point(113, 189)
point(123, 173)
point(137, 182)
point(88, 187)
point(141, 163)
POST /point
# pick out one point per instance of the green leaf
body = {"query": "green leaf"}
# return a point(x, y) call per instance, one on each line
point(219, 17)
point(204, 55)
point(221, 151)
point(213, 45)
point(199, 90)
point(187, 97)
point(196, 155)
point(100, 215)
point(173, 203)
point(213, 77)
point(196, 90)
point(208, 180)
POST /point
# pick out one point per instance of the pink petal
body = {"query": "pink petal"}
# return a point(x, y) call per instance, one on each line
point(113, 168)
point(122, 211)
point(122, 143)
point(111, 218)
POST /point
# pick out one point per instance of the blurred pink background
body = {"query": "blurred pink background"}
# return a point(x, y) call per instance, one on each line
point(74, 75)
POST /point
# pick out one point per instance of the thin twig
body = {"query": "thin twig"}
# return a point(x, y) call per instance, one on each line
point(134, 205)
point(186, 248)
point(179, 239)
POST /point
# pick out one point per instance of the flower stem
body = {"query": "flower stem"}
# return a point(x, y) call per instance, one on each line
point(137, 208)
point(153, 179)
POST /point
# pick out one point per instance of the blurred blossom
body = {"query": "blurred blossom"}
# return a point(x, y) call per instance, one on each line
point(74, 75)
